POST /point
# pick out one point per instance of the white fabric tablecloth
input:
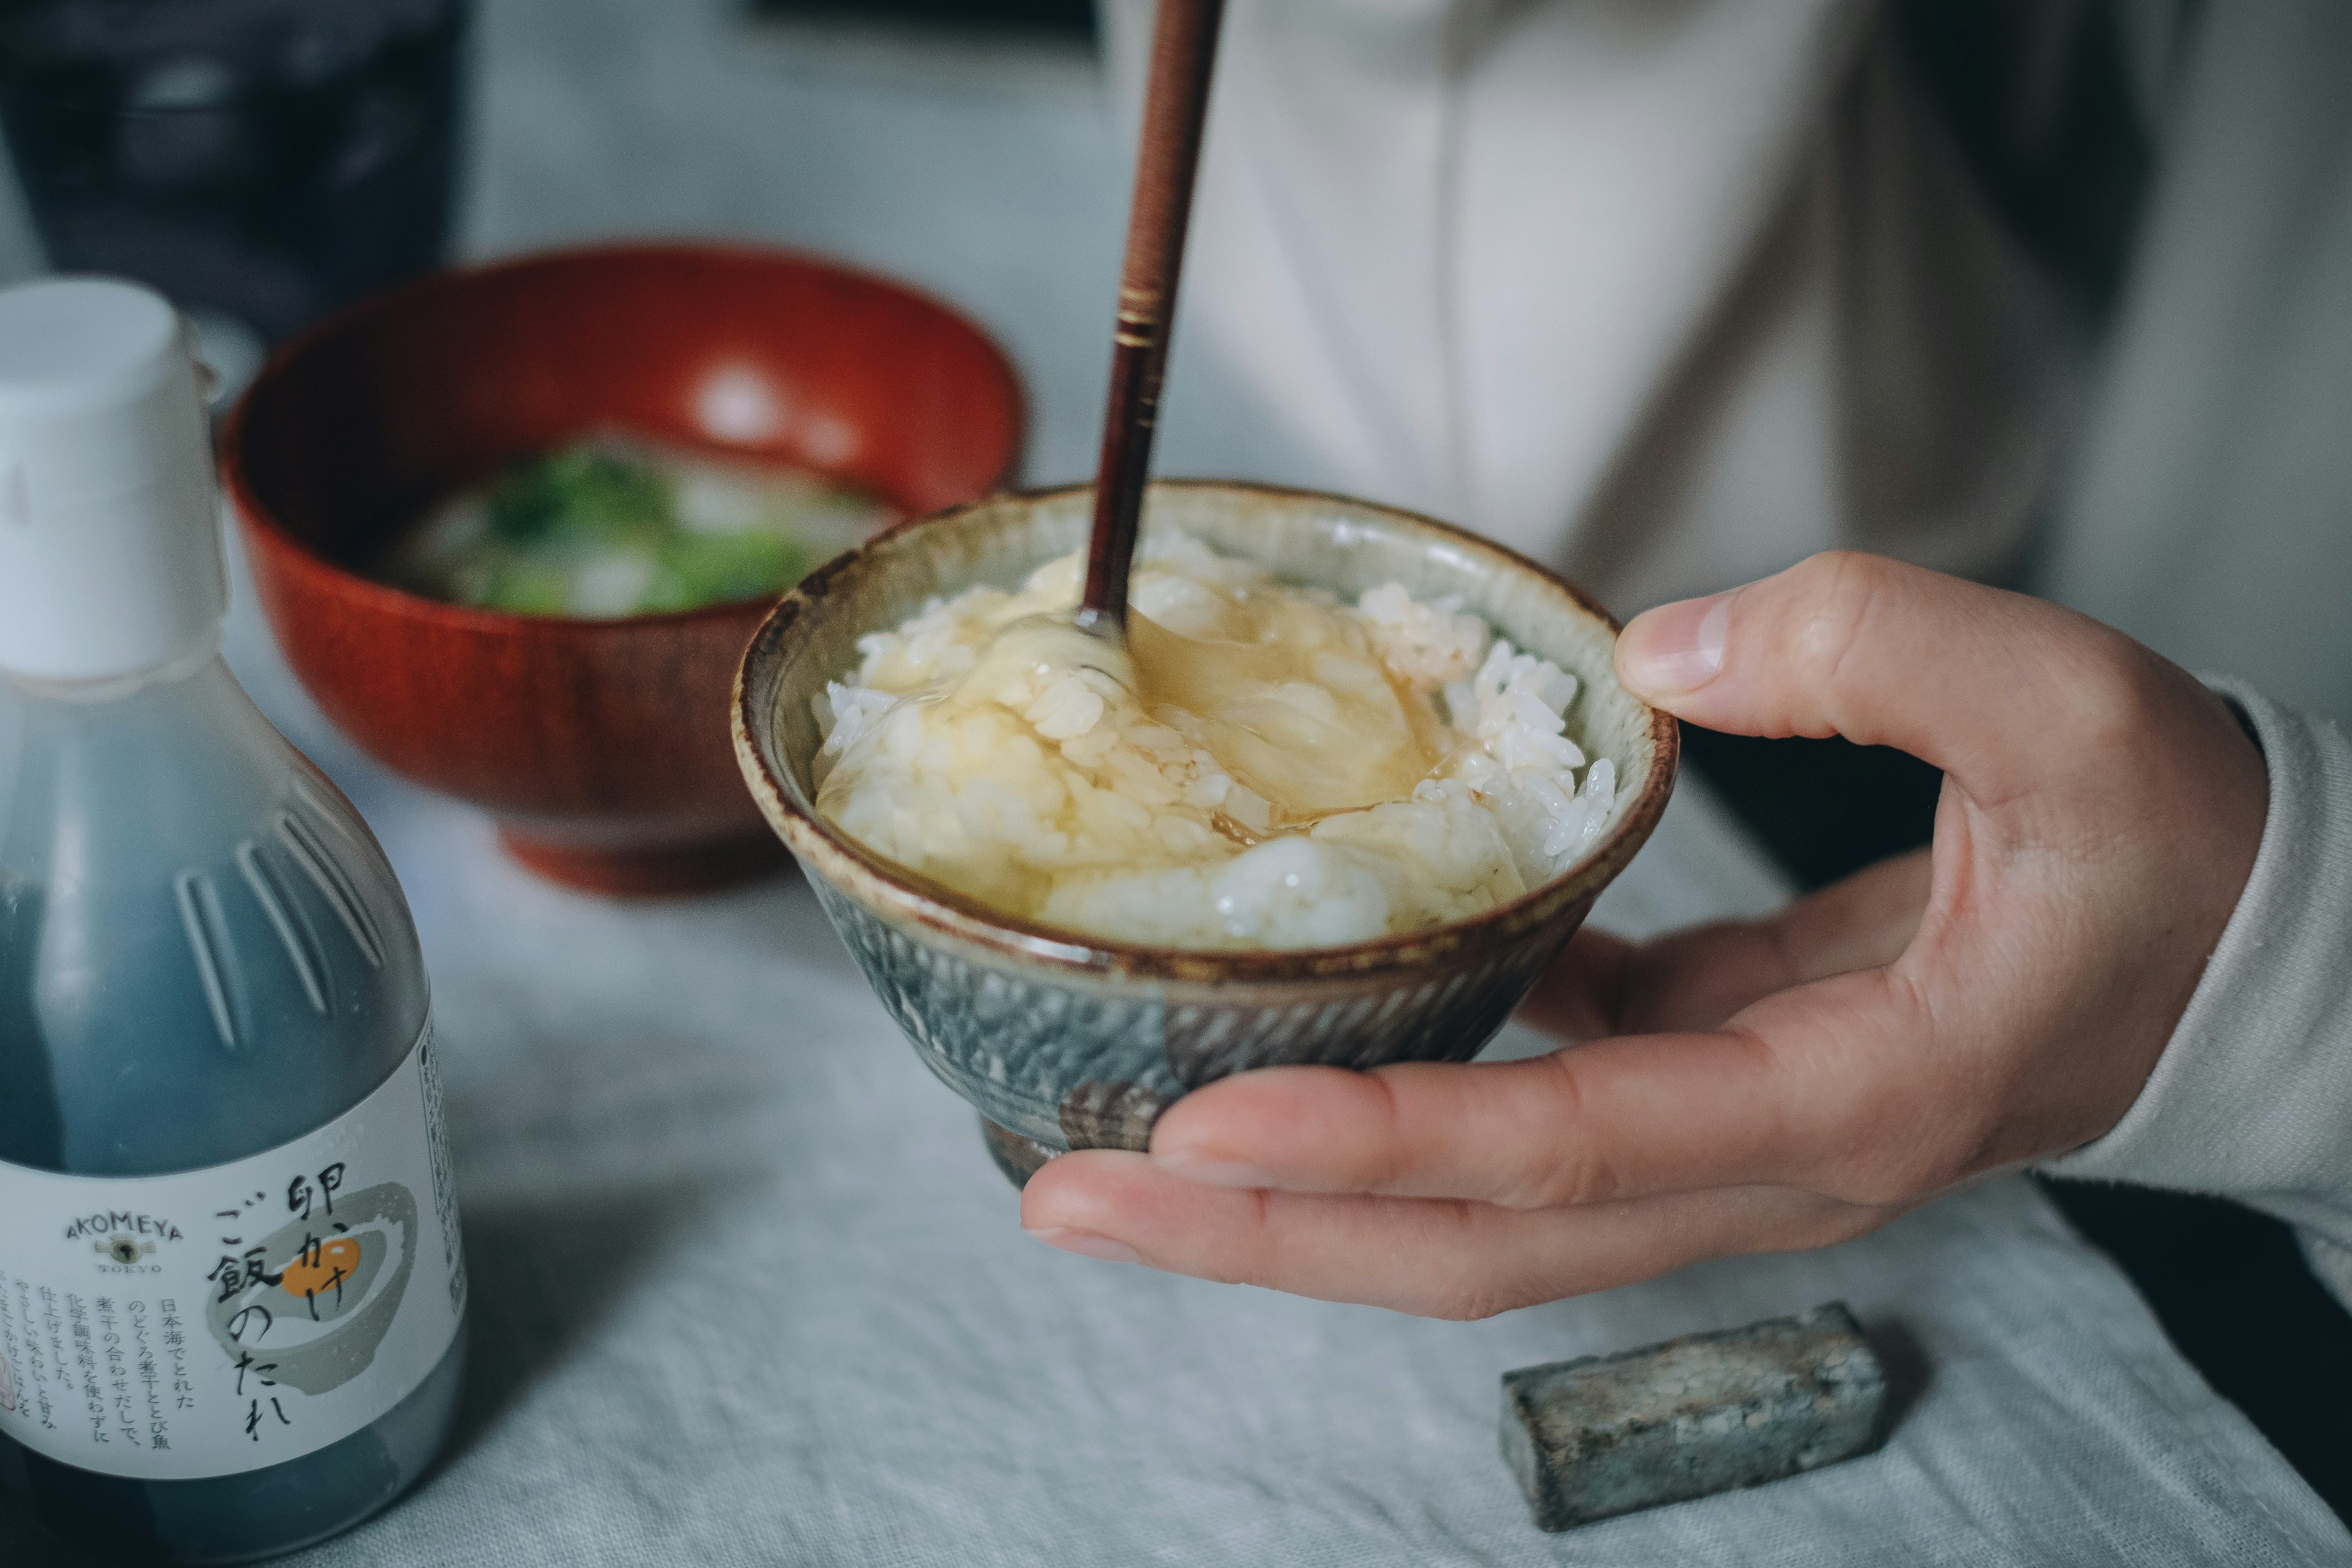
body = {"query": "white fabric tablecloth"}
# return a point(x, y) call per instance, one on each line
point(746, 1289)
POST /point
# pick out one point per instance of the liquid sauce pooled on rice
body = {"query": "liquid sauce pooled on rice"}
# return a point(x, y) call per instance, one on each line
point(1287, 695)
point(1261, 765)
point(1292, 698)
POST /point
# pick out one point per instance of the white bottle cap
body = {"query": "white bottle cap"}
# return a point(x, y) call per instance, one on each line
point(110, 532)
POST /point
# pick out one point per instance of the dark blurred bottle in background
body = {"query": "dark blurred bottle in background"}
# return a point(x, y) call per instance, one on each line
point(259, 161)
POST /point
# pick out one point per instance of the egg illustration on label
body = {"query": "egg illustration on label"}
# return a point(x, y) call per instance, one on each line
point(124, 1250)
point(307, 1306)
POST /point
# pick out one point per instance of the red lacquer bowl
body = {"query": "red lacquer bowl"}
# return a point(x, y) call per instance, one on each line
point(600, 747)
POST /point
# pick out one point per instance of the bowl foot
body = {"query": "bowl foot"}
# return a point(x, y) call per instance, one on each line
point(648, 873)
point(1019, 1158)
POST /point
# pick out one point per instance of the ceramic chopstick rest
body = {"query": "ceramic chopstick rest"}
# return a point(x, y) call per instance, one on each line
point(1601, 1435)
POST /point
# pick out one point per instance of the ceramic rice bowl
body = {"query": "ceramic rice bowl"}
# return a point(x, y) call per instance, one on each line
point(1065, 1041)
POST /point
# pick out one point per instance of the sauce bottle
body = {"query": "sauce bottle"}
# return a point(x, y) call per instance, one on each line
point(231, 1291)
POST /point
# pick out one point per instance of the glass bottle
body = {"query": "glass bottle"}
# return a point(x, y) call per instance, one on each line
point(231, 1293)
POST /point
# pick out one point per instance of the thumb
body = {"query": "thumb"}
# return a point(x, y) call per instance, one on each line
point(1969, 679)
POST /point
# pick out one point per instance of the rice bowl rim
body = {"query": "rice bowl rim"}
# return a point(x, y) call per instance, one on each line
point(901, 897)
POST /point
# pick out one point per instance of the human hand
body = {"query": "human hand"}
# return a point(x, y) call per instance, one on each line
point(1788, 1083)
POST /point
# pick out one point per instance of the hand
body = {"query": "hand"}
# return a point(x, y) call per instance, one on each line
point(1783, 1084)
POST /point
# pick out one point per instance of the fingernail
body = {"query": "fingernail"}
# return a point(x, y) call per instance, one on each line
point(1087, 1244)
point(1212, 1173)
point(1675, 648)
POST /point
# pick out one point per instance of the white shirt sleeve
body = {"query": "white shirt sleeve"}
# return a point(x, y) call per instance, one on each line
point(1598, 281)
point(2252, 1097)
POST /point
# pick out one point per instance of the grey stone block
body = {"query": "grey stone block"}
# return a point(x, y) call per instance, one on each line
point(1601, 1435)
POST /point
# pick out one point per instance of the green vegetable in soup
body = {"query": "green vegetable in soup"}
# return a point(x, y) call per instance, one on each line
point(580, 495)
point(606, 528)
point(693, 569)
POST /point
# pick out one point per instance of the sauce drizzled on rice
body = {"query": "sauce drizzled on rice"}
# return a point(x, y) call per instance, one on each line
point(1273, 768)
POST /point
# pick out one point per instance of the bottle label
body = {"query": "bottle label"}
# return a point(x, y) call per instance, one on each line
point(216, 1321)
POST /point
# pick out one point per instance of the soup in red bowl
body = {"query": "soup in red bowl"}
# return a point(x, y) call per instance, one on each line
point(598, 745)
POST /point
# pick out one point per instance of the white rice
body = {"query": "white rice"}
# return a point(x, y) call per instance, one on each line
point(1055, 795)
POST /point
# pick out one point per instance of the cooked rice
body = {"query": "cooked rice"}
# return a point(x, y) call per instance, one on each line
point(1052, 791)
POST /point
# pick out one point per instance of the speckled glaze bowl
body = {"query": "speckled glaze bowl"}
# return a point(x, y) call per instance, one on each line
point(1063, 1041)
